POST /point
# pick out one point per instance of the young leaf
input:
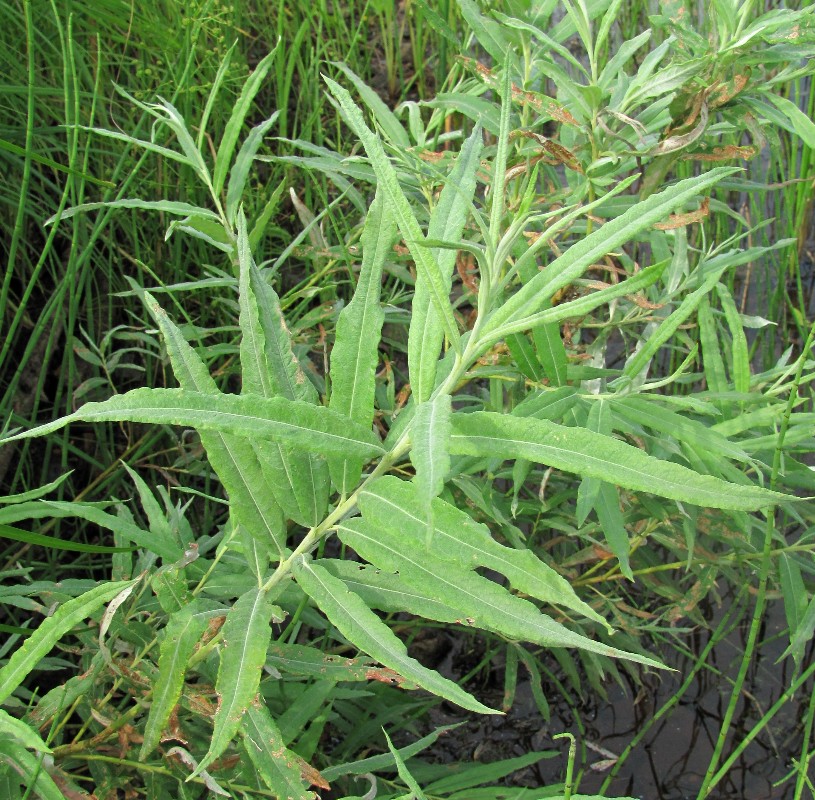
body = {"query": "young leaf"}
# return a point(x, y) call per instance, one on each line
point(359, 327)
point(243, 163)
point(277, 766)
point(386, 119)
point(223, 158)
point(246, 636)
point(387, 180)
point(354, 620)
point(447, 221)
point(181, 634)
point(571, 265)
point(295, 423)
point(392, 504)
point(485, 433)
point(483, 603)
point(27, 657)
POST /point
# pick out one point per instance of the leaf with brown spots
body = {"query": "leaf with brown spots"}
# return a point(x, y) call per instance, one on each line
point(280, 769)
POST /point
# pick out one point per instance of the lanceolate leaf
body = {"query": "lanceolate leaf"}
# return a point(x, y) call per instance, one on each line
point(429, 434)
point(295, 423)
point(51, 630)
point(268, 368)
point(354, 620)
point(226, 148)
point(447, 221)
point(246, 636)
point(481, 602)
point(29, 768)
point(24, 734)
point(386, 591)
point(607, 506)
point(571, 265)
point(183, 631)
point(243, 163)
point(485, 433)
point(233, 458)
point(354, 357)
point(395, 507)
point(277, 766)
point(388, 182)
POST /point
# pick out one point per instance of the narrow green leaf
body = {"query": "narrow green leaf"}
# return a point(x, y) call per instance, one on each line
point(598, 421)
point(571, 265)
point(277, 766)
point(299, 480)
point(386, 119)
point(55, 543)
point(395, 506)
point(213, 95)
point(639, 361)
point(577, 450)
point(447, 221)
point(28, 656)
point(23, 733)
point(286, 377)
point(294, 423)
point(223, 158)
point(489, 34)
point(524, 356)
point(429, 434)
point(243, 163)
point(354, 357)
point(246, 635)
point(384, 761)
point(387, 180)
point(30, 770)
point(607, 505)
point(404, 772)
point(648, 411)
point(36, 493)
point(165, 206)
point(354, 620)
point(482, 603)
point(711, 348)
point(551, 352)
point(740, 352)
point(181, 634)
point(170, 550)
point(233, 458)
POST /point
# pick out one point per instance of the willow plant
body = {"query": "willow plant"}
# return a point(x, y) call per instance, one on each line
point(299, 466)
